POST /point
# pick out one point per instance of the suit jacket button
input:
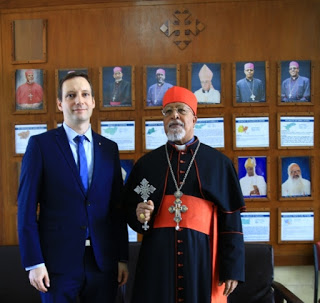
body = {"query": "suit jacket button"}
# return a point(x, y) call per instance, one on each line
point(83, 227)
point(88, 203)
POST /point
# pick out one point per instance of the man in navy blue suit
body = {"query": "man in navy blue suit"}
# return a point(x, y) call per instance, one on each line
point(73, 239)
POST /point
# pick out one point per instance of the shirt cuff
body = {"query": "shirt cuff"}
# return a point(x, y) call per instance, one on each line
point(34, 266)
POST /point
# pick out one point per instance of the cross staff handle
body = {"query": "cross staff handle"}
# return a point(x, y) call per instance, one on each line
point(144, 190)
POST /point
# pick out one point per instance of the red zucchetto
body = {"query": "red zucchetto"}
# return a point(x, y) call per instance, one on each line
point(180, 94)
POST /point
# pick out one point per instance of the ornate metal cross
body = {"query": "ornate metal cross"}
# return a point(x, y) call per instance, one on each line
point(182, 28)
point(144, 190)
point(177, 208)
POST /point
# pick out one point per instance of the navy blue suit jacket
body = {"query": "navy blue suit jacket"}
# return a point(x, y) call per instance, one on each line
point(56, 233)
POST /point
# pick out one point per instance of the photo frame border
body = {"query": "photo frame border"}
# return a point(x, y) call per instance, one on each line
point(311, 165)
point(249, 115)
point(16, 111)
point(145, 77)
point(290, 210)
point(293, 114)
point(261, 210)
point(115, 120)
point(234, 86)
point(268, 163)
point(13, 134)
point(222, 90)
point(44, 42)
point(206, 116)
point(133, 91)
point(312, 85)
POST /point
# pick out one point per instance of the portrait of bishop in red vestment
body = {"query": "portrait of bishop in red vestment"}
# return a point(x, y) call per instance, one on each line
point(29, 89)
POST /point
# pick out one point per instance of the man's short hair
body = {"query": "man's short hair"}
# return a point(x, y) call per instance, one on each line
point(71, 75)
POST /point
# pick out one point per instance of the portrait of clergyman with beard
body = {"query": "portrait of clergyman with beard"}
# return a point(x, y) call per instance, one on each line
point(296, 177)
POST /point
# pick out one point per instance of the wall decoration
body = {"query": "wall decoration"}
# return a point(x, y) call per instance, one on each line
point(296, 177)
point(296, 130)
point(205, 83)
point(157, 80)
point(117, 87)
point(29, 41)
point(250, 82)
point(30, 91)
point(182, 27)
point(294, 82)
point(251, 131)
point(253, 176)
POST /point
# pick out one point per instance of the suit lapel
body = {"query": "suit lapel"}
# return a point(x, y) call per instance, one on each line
point(98, 160)
point(63, 144)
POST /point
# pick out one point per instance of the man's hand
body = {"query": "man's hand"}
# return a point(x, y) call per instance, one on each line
point(39, 278)
point(144, 211)
point(230, 286)
point(123, 273)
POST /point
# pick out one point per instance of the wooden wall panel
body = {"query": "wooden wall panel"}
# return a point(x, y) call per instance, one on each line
point(111, 33)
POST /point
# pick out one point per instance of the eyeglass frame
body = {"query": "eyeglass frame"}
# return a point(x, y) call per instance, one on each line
point(185, 108)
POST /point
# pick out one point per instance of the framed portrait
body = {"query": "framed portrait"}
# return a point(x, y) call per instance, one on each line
point(295, 225)
point(117, 89)
point(250, 83)
point(294, 82)
point(210, 131)
point(126, 168)
point(296, 130)
point(121, 132)
point(251, 131)
point(256, 225)
point(296, 178)
point(30, 91)
point(253, 177)
point(153, 133)
point(22, 134)
point(157, 79)
point(204, 80)
point(29, 41)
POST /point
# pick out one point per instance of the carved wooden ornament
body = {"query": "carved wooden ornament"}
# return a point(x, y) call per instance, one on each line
point(182, 27)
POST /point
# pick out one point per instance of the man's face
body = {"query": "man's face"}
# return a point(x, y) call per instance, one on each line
point(179, 126)
point(30, 77)
point(293, 71)
point(205, 84)
point(249, 73)
point(77, 102)
point(250, 171)
point(160, 78)
point(117, 76)
point(295, 172)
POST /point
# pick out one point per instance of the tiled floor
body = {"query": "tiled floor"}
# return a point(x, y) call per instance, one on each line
point(299, 279)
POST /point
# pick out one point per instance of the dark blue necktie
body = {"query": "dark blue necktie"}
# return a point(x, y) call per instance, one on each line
point(82, 162)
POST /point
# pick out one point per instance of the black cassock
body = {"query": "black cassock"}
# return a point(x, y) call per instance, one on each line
point(175, 266)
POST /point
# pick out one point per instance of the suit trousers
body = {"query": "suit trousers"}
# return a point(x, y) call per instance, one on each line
point(88, 285)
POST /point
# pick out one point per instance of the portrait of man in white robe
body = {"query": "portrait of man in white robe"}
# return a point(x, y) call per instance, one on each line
point(295, 185)
point(253, 184)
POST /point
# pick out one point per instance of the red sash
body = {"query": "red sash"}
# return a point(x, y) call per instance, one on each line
point(200, 216)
